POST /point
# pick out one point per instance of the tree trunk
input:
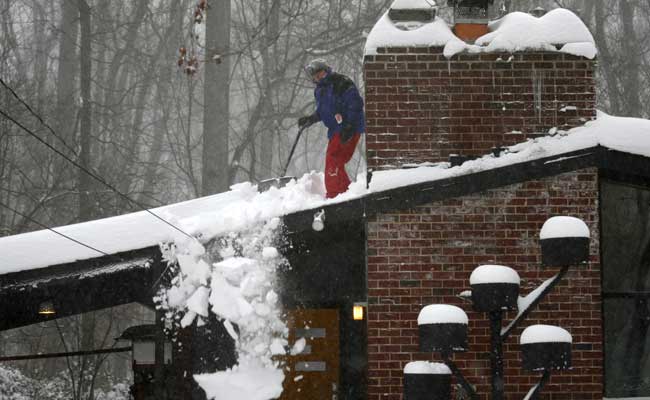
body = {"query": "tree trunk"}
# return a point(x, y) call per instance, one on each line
point(65, 82)
point(40, 56)
point(613, 90)
point(112, 89)
point(631, 61)
point(161, 113)
point(269, 60)
point(216, 98)
point(84, 180)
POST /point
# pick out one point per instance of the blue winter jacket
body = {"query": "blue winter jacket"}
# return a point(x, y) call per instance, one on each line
point(337, 94)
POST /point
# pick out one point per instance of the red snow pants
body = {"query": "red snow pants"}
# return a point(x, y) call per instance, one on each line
point(338, 154)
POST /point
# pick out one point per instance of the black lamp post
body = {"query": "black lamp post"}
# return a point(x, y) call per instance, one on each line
point(495, 289)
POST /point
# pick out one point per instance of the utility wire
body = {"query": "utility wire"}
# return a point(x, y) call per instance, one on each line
point(29, 108)
point(27, 217)
point(91, 174)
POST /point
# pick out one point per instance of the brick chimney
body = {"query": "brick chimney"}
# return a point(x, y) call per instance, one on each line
point(424, 104)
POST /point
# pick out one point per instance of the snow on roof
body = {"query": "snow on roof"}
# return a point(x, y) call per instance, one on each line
point(494, 274)
point(514, 32)
point(628, 135)
point(243, 206)
point(563, 227)
point(412, 4)
point(545, 334)
point(426, 367)
point(206, 217)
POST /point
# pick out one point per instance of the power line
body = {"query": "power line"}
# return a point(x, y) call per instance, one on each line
point(29, 108)
point(91, 174)
point(27, 217)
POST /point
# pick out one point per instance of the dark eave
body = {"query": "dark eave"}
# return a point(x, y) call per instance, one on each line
point(78, 287)
point(76, 269)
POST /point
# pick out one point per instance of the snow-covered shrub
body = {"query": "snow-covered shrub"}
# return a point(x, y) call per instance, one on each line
point(119, 391)
point(16, 386)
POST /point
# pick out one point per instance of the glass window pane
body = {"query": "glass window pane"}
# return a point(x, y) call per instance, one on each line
point(625, 235)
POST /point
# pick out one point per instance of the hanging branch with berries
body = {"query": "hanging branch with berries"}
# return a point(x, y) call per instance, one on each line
point(189, 63)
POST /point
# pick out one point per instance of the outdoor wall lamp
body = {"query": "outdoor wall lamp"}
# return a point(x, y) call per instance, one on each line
point(358, 311)
point(46, 308)
point(319, 221)
point(143, 341)
point(495, 290)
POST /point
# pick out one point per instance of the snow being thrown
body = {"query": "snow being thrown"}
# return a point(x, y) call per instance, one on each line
point(233, 277)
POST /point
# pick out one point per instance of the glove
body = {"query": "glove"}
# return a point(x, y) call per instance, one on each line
point(347, 132)
point(307, 121)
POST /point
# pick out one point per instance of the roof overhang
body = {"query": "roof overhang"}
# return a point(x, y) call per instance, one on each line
point(78, 287)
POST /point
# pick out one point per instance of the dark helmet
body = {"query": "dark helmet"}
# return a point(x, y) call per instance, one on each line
point(316, 66)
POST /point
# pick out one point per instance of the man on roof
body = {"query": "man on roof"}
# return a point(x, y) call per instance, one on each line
point(340, 107)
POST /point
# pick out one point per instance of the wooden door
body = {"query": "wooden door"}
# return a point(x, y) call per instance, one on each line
point(313, 374)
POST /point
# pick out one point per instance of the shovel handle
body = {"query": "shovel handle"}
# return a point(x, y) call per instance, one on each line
point(293, 149)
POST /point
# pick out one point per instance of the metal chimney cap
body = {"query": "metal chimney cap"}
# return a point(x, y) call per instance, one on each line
point(538, 12)
point(413, 11)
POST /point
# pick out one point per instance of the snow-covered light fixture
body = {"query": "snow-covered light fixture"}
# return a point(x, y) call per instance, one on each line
point(425, 380)
point(494, 288)
point(319, 221)
point(46, 308)
point(442, 328)
point(545, 348)
point(564, 241)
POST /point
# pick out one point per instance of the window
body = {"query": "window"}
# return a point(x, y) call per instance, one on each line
point(626, 289)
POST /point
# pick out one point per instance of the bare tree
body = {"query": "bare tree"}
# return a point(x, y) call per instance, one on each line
point(216, 98)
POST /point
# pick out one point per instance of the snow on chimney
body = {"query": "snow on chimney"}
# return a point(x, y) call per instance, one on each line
point(471, 18)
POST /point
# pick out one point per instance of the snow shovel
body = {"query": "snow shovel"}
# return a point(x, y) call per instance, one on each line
point(266, 184)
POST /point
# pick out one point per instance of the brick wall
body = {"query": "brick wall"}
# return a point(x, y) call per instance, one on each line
point(423, 107)
point(426, 255)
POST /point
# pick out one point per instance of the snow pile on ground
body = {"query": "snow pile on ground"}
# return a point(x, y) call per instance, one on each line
point(426, 367)
point(241, 382)
point(563, 227)
point(515, 32)
point(442, 314)
point(519, 31)
point(239, 290)
point(545, 334)
point(494, 274)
